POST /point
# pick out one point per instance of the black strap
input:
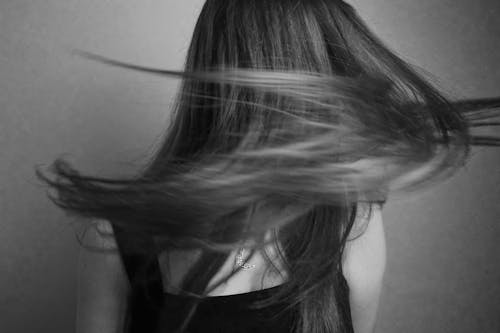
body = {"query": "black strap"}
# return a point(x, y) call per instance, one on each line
point(136, 249)
point(139, 256)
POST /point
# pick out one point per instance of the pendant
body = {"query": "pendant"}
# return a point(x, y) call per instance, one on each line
point(240, 261)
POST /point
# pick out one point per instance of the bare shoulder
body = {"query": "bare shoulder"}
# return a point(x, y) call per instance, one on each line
point(99, 235)
point(364, 256)
point(363, 267)
point(103, 285)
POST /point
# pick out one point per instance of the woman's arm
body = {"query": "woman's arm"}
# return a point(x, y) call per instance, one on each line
point(363, 267)
point(102, 283)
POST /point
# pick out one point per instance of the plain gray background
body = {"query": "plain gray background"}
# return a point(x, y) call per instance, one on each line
point(443, 270)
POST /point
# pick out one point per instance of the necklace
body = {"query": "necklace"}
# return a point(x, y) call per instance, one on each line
point(240, 261)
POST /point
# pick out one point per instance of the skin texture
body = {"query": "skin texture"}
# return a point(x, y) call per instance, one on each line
point(363, 266)
point(103, 284)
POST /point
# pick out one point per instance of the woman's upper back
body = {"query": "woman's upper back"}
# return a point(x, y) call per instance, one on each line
point(158, 305)
point(261, 274)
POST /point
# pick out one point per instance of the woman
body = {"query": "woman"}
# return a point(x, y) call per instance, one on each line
point(261, 210)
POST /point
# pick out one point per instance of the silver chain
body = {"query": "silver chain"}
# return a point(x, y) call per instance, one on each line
point(240, 260)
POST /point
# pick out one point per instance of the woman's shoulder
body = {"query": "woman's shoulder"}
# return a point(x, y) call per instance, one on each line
point(364, 256)
point(99, 235)
point(365, 213)
point(363, 266)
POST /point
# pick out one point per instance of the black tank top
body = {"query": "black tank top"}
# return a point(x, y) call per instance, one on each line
point(151, 310)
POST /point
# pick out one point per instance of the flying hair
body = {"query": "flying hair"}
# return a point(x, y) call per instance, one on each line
point(295, 123)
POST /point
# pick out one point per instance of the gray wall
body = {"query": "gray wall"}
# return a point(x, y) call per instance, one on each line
point(443, 248)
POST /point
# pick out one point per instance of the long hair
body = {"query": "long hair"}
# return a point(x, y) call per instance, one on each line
point(290, 114)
